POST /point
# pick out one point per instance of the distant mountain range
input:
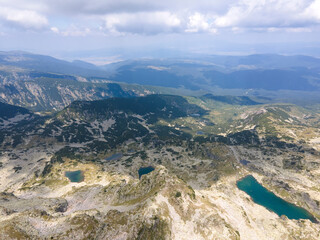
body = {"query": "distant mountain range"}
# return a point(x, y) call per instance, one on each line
point(41, 82)
point(47, 64)
point(267, 72)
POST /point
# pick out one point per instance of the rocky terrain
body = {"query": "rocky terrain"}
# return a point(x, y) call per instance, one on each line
point(52, 93)
point(196, 146)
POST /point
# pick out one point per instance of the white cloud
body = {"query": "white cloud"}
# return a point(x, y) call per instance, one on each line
point(231, 18)
point(23, 18)
point(142, 23)
point(102, 7)
point(72, 31)
point(75, 32)
point(165, 16)
point(199, 23)
point(313, 11)
point(265, 14)
point(299, 30)
point(55, 29)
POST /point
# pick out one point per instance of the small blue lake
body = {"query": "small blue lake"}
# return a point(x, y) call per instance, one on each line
point(75, 176)
point(244, 162)
point(145, 170)
point(269, 200)
point(115, 156)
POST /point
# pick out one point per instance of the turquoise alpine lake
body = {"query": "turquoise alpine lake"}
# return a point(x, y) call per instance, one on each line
point(145, 170)
point(269, 200)
point(75, 176)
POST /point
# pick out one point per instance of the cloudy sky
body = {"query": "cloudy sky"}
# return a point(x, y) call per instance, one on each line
point(201, 26)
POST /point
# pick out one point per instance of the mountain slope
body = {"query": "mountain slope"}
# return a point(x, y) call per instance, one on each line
point(15, 124)
point(267, 72)
point(162, 106)
point(13, 117)
point(233, 100)
point(267, 61)
point(8, 111)
point(108, 123)
point(273, 80)
point(47, 94)
point(42, 63)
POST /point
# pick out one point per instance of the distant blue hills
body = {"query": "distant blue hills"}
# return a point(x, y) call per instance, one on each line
point(259, 71)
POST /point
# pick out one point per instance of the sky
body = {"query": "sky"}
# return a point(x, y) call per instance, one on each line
point(118, 28)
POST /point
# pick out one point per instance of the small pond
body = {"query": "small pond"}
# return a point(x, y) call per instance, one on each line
point(269, 200)
point(75, 176)
point(115, 156)
point(145, 170)
point(244, 162)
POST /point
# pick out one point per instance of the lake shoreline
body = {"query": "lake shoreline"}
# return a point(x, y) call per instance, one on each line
point(266, 198)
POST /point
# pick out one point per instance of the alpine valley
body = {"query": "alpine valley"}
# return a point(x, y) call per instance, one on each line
point(157, 148)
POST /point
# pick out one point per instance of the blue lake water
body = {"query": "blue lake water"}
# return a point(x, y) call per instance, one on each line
point(115, 156)
point(75, 176)
point(244, 162)
point(145, 170)
point(269, 200)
